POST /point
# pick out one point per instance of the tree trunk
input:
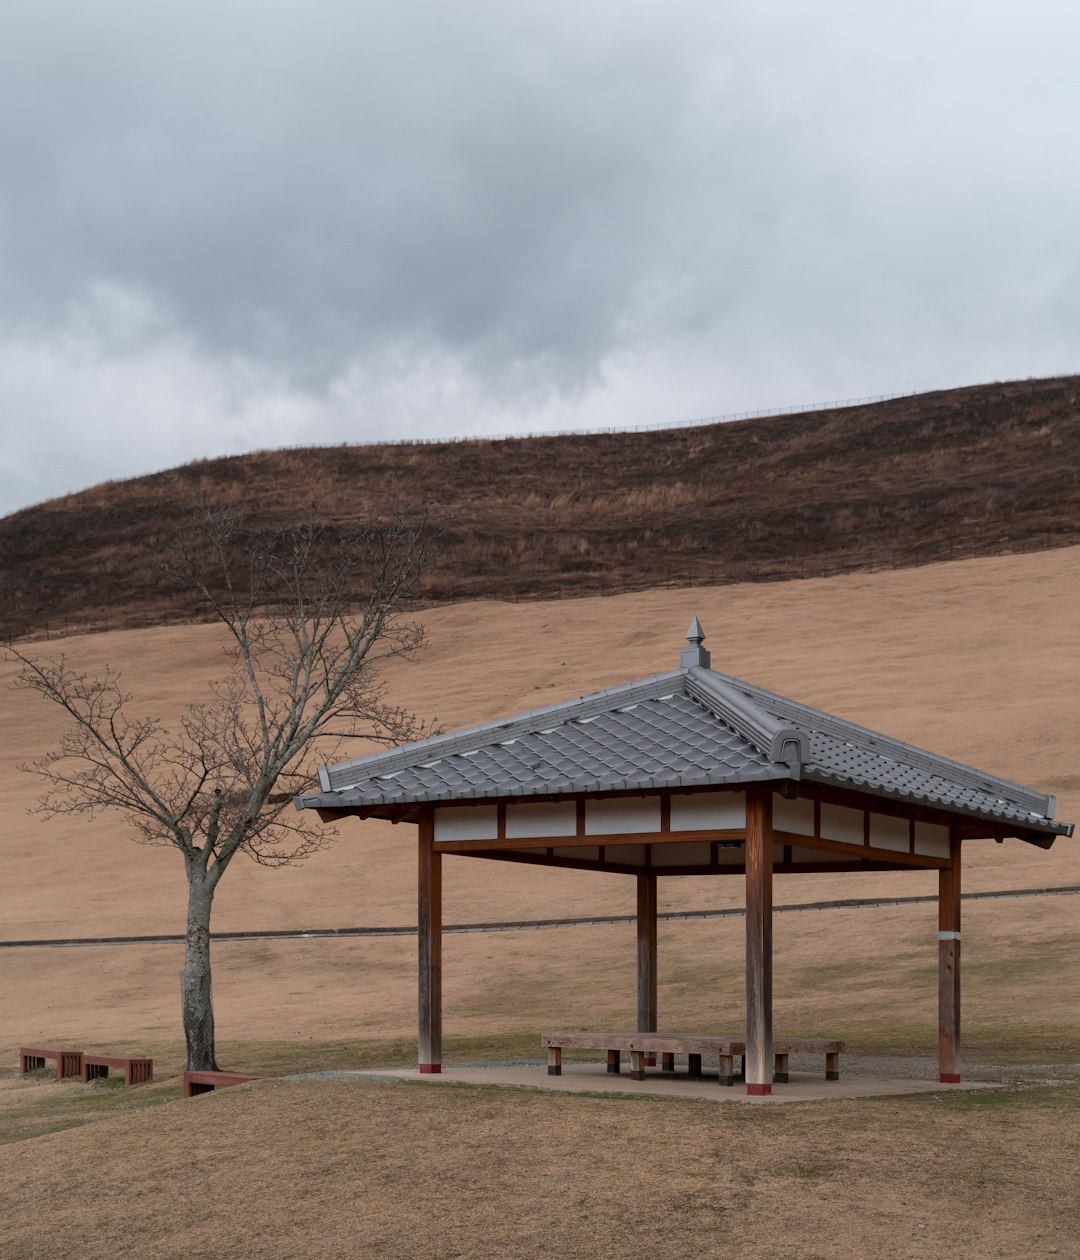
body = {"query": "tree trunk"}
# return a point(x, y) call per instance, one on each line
point(197, 999)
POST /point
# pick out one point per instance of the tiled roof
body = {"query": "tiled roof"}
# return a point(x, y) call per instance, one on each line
point(691, 727)
point(851, 756)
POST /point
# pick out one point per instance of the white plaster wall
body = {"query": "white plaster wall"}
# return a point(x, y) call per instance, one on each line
point(708, 811)
point(467, 822)
point(794, 816)
point(622, 815)
point(552, 818)
point(890, 833)
point(840, 823)
point(931, 840)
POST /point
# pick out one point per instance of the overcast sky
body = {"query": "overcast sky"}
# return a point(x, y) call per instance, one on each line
point(252, 224)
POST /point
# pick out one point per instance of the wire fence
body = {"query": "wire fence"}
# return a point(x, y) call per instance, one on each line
point(759, 413)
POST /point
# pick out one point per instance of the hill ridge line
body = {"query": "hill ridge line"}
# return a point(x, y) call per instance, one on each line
point(811, 491)
point(659, 426)
point(530, 925)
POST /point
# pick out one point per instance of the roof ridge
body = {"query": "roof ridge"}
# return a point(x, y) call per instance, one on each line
point(773, 739)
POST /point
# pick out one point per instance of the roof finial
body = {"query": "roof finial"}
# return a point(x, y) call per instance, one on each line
point(695, 654)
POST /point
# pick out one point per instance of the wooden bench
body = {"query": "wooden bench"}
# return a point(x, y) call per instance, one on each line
point(136, 1071)
point(68, 1062)
point(643, 1046)
point(783, 1046)
point(207, 1082)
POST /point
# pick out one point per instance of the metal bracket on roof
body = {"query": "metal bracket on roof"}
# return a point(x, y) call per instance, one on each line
point(782, 744)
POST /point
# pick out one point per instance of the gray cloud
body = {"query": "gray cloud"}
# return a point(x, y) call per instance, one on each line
point(252, 224)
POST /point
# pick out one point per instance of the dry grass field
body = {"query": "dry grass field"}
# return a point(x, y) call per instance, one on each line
point(336, 1171)
point(974, 659)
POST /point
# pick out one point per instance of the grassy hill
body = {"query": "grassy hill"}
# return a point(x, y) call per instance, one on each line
point(959, 473)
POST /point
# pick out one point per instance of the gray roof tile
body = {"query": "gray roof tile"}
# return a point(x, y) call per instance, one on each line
point(687, 728)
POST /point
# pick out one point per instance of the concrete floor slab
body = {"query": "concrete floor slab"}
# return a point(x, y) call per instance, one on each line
point(594, 1078)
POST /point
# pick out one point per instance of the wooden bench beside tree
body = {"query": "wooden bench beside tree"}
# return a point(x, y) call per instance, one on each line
point(642, 1046)
point(136, 1071)
point(68, 1062)
point(207, 1082)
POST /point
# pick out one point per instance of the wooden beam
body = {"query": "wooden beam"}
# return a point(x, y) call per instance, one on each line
point(853, 850)
point(856, 852)
point(537, 857)
point(949, 966)
point(599, 840)
point(646, 953)
point(429, 934)
point(759, 852)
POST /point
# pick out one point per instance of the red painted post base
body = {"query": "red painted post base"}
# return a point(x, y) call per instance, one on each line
point(758, 1091)
point(430, 1069)
point(949, 1078)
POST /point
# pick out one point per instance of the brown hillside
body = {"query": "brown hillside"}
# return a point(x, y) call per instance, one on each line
point(966, 472)
point(941, 656)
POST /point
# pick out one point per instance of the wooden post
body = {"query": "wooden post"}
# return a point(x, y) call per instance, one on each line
point(949, 966)
point(646, 957)
point(429, 933)
point(759, 1051)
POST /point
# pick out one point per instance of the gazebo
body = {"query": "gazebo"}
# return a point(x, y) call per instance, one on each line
point(689, 772)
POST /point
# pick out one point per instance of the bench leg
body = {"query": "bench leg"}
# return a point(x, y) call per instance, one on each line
point(94, 1071)
point(613, 1062)
point(637, 1065)
point(726, 1077)
point(554, 1060)
point(32, 1063)
point(780, 1070)
point(693, 1066)
point(832, 1066)
point(69, 1065)
point(667, 1063)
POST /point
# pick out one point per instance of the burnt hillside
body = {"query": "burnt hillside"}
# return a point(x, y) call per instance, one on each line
point(963, 472)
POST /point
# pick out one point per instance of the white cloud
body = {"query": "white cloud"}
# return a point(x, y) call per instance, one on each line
point(238, 226)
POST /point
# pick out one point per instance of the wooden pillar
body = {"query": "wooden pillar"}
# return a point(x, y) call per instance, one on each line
point(949, 966)
point(429, 933)
point(646, 954)
point(759, 864)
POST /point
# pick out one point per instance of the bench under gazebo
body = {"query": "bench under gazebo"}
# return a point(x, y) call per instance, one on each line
point(689, 772)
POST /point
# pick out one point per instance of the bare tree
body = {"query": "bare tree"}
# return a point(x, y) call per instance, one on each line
point(309, 613)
